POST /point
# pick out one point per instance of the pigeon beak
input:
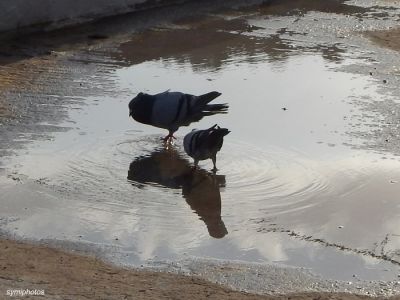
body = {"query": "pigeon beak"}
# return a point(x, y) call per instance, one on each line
point(130, 113)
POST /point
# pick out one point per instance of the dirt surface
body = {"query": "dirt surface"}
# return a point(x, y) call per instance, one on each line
point(64, 275)
point(386, 38)
point(4, 112)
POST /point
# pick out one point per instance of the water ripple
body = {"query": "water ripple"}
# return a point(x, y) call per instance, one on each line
point(272, 180)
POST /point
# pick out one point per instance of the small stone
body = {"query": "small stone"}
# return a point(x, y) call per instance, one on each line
point(340, 226)
point(384, 81)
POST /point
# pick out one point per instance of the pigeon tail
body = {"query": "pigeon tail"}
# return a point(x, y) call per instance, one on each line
point(216, 108)
point(203, 100)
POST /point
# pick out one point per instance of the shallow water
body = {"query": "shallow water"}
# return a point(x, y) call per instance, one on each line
point(295, 185)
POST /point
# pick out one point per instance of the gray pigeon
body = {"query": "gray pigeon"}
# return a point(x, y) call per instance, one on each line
point(204, 144)
point(171, 110)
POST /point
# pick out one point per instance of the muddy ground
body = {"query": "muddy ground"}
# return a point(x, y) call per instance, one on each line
point(386, 38)
point(69, 276)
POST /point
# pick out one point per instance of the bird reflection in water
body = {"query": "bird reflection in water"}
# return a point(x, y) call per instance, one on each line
point(201, 189)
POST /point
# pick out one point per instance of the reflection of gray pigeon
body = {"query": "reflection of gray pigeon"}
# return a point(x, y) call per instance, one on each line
point(200, 189)
point(204, 144)
point(171, 110)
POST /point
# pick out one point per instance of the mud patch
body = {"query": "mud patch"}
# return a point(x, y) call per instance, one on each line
point(386, 38)
point(5, 110)
point(65, 274)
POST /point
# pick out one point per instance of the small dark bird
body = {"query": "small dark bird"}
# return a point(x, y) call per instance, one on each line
point(171, 110)
point(201, 189)
point(204, 144)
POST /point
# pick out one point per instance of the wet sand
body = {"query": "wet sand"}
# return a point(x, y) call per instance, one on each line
point(65, 275)
point(4, 111)
point(386, 38)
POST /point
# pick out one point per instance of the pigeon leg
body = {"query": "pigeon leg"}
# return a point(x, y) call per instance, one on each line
point(214, 160)
point(196, 163)
point(170, 137)
point(167, 138)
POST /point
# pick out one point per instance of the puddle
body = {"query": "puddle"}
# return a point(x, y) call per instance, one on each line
point(294, 187)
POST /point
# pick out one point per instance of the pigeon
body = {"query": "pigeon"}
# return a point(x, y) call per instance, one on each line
point(204, 144)
point(171, 110)
point(201, 189)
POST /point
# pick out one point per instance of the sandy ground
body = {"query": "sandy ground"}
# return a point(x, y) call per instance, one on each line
point(4, 109)
point(64, 275)
point(386, 38)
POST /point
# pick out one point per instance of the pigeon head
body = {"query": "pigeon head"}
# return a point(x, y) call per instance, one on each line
point(134, 103)
point(140, 108)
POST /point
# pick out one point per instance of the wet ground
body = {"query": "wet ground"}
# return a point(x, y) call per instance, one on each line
point(308, 177)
